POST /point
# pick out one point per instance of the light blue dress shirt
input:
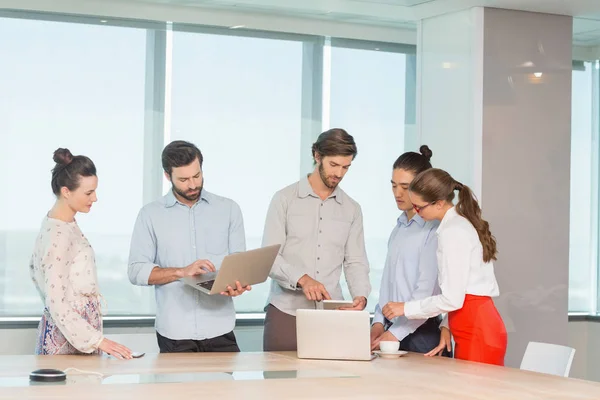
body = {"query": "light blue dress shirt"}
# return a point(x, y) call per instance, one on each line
point(170, 234)
point(410, 271)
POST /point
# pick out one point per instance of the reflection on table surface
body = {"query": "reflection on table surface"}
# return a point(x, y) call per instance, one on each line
point(91, 377)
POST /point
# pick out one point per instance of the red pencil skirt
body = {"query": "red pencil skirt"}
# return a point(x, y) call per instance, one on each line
point(478, 330)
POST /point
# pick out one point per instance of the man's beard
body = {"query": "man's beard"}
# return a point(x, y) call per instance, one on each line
point(189, 194)
point(326, 181)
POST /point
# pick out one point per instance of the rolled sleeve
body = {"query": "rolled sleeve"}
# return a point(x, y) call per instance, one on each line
point(142, 252)
point(378, 316)
point(285, 274)
point(402, 327)
point(412, 309)
point(444, 323)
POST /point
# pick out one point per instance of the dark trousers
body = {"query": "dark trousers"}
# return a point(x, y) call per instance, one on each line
point(223, 343)
point(425, 338)
point(280, 331)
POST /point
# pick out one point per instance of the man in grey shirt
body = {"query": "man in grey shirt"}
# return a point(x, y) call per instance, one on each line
point(320, 229)
point(187, 232)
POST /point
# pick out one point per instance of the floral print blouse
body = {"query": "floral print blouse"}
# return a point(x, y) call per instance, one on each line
point(63, 269)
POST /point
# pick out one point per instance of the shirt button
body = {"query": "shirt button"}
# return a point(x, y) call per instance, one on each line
point(320, 231)
point(318, 258)
point(319, 245)
point(317, 272)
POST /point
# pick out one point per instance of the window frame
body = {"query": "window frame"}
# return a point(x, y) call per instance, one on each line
point(315, 87)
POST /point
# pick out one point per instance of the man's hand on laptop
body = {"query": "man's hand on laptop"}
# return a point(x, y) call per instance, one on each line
point(359, 304)
point(313, 290)
point(239, 289)
point(198, 267)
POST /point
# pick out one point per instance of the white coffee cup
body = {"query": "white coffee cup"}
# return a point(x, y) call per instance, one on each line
point(389, 346)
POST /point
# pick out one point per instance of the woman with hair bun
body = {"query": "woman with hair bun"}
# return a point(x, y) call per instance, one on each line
point(63, 267)
point(466, 252)
point(410, 271)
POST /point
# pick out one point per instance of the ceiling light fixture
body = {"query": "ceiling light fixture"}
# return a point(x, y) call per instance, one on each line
point(237, 26)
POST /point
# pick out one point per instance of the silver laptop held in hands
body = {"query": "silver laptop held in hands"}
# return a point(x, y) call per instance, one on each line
point(249, 268)
point(334, 334)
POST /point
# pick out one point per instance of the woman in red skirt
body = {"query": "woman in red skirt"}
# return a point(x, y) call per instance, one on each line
point(466, 251)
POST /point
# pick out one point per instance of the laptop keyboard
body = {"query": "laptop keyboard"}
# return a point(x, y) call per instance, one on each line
point(206, 285)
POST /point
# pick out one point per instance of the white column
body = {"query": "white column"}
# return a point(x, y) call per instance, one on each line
point(154, 120)
point(312, 101)
point(494, 104)
point(411, 136)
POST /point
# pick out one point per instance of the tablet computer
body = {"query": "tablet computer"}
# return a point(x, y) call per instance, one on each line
point(336, 304)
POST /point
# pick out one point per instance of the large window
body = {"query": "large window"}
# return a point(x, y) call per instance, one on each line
point(253, 102)
point(82, 87)
point(584, 187)
point(241, 105)
point(367, 99)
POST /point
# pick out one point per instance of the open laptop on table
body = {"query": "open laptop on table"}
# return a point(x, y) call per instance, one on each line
point(334, 334)
point(249, 268)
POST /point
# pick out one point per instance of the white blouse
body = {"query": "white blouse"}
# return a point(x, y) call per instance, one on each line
point(63, 269)
point(461, 269)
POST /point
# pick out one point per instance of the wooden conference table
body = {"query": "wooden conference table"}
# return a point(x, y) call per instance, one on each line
point(281, 376)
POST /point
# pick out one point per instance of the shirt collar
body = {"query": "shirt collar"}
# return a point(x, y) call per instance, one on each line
point(305, 190)
point(450, 214)
point(417, 219)
point(171, 200)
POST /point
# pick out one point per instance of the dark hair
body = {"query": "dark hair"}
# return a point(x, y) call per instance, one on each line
point(436, 184)
point(414, 162)
point(180, 153)
point(334, 142)
point(69, 169)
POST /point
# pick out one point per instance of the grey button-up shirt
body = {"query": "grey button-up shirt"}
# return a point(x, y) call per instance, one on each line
point(169, 234)
point(318, 238)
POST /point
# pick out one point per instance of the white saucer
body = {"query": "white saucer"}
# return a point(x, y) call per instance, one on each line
point(395, 354)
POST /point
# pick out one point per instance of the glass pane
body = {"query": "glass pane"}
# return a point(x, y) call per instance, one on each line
point(367, 99)
point(239, 100)
point(581, 263)
point(81, 87)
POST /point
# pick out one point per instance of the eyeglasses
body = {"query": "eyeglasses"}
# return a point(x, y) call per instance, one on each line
point(418, 209)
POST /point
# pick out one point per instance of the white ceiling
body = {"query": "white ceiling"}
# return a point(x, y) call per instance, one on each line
point(392, 20)
point(586, 32)
point(404, 13)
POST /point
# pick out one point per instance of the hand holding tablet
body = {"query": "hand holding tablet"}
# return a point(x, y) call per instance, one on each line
point(336, 304)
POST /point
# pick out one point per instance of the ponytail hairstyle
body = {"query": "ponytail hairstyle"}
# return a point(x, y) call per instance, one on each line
point(436, 184)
